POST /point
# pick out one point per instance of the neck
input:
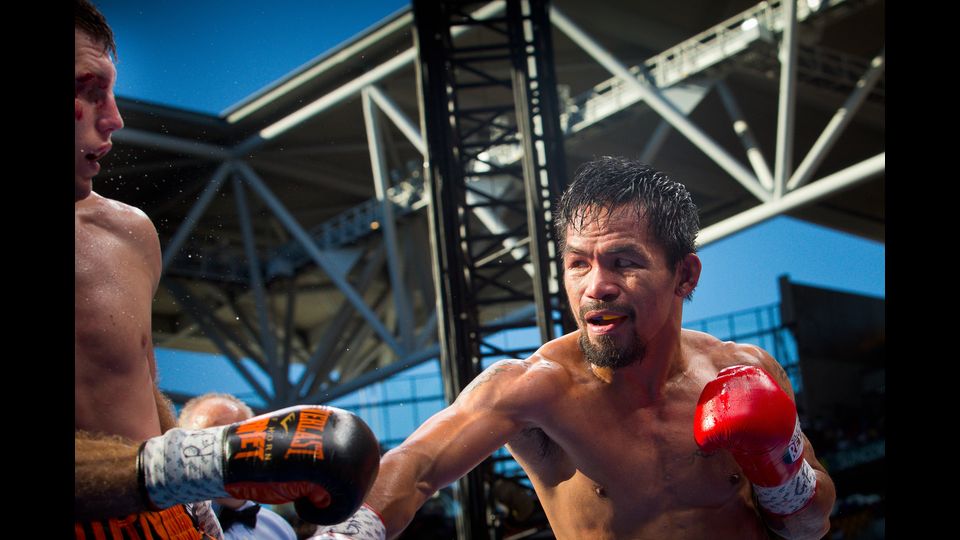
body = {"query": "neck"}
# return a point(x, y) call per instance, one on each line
point(662, 362)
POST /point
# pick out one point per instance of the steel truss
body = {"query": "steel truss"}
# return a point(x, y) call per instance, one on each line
point(250, 316)
point(491, 221)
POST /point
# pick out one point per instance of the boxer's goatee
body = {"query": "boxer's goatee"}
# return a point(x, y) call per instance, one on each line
point(605, 353)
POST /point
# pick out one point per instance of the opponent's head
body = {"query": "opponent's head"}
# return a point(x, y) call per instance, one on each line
point(213, 409)
point(95, 108)
point(628, 234)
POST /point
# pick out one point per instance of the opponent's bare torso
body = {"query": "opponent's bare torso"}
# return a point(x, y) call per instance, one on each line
point(117, 265)
point(606, 466)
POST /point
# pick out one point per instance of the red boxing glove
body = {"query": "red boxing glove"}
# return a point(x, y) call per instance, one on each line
point(745, 412)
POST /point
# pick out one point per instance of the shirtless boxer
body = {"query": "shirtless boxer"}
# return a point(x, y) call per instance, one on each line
point(603, 419)
point(132, 471)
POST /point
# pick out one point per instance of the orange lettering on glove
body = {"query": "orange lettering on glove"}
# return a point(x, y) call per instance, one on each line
point(252, 439)
point(308, 438)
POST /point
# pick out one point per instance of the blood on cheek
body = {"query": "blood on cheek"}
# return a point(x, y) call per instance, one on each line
point(77, 109)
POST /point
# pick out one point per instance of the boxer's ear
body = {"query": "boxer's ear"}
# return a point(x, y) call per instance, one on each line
point(688, 275)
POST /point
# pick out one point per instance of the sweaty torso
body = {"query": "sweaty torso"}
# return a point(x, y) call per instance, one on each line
point(117, 268)
point(607, 466)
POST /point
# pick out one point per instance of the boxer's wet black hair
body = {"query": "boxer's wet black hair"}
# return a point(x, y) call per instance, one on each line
point(88, 18)
point(608, 183)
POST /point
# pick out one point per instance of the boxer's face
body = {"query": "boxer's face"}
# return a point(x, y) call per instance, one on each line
point(95, 110)
point(620, 287)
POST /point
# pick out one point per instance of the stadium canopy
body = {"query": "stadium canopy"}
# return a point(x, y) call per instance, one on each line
point(294, 225)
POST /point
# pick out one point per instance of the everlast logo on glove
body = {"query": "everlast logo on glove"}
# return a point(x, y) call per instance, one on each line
point(308, 439)
point(296, 436)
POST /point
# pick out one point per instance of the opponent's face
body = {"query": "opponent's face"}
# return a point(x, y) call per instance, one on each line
point(95, 110)
point(621, 289)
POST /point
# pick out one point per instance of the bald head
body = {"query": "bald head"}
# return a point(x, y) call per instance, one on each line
point(213, 410)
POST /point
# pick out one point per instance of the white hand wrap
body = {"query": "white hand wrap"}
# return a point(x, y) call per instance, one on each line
point(183, 466)
point(364, 524)
point(790, 496)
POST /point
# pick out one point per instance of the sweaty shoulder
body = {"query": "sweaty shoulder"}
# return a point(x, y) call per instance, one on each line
point(99, 215)
point(723, 354)
point(108, 213)
point(520, 387)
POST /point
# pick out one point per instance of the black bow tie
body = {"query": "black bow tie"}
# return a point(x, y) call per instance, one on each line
point(247, 516)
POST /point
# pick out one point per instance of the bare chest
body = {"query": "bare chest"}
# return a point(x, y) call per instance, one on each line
point(623, 469)
point(113, 297)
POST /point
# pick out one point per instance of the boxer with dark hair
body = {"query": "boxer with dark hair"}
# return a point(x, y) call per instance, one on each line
point(133, 470)
point(630, 426)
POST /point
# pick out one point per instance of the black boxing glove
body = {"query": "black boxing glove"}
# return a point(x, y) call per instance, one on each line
point(323, 459)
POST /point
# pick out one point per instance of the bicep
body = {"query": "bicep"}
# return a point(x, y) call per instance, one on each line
point(483, 418)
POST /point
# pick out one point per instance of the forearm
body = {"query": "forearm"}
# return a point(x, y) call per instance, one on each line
point(399, 490)
point(105, 477)
point(813, 521)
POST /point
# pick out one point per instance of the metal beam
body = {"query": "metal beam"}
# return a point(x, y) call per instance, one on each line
point(189, 222)
point(307, 242)
point(315, 177)
point(267, 340)
point(353, 340)
point(786, 108)
point(661, 106)
point(655, 142)
point(350, 89)
point(336, 58)
point(742, 129)
point(421, 355)
point(428, 333)
point(378, 165)
point(164, 165)
point(283, 392)
point(409, 130)
point(318, 360)
point(838, 123)
point(250, 333)
point(169, 143)
point(829, 185)
point(342, 389)
point(210, 329)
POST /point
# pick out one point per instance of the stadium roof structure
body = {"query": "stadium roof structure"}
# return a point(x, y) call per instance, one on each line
point(294, 225)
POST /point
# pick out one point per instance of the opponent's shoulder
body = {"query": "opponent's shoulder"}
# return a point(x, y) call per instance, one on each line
point(105, 212)
point(120, 219)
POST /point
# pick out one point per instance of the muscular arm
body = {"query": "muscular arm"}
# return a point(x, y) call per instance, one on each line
point(813, 521)
point(451, 443)
point(105, 477)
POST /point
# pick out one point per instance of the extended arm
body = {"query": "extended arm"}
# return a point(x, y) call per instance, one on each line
point(446, 447)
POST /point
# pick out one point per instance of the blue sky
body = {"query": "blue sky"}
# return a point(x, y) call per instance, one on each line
point(206, 55)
